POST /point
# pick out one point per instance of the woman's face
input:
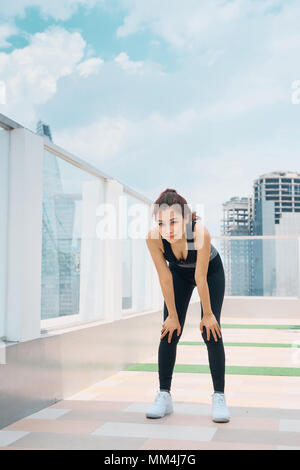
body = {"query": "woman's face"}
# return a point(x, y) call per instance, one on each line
point(171, 224)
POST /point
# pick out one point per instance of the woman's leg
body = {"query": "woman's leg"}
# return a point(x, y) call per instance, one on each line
point(167, 351)
point(216, 352)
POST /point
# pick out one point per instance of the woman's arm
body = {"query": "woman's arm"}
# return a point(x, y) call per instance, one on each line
point(164, 275)
point(168, 293)
point(209, 320)
point(202, 244)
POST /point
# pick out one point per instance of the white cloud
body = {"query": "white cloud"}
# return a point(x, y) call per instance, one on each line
point(232, 172)
point(161, 151)
point(244, 94)
point(178, 24)
point(57, 9)
point(31, 74)
point(114, 137)
point(234, 60)
point(89, 66)
point(96, 142)
point(141, 68)
point(7, 30)
point(126, 64)
point(191, 24)
point(117, 137)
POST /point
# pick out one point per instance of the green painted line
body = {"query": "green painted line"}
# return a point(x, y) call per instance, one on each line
point(262, 327)
point(256, 345)
point(232, 370)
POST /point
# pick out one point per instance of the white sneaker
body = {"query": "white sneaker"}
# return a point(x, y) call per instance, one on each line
point(162, 405)
point(220, 412)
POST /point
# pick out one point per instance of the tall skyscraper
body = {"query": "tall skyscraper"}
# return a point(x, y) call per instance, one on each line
point(60, 246)
point(43, 129)
point(237, 253)
point(276, 211)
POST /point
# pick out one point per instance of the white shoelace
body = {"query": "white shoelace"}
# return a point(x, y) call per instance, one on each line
point(159, 395)
point(219, 399)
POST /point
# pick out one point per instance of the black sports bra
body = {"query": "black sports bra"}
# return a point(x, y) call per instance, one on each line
point(190, 261)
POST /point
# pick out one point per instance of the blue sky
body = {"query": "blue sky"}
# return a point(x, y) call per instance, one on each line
point(190, 95)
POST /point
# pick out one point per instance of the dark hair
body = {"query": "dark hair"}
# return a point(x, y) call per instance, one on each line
point(169, 197)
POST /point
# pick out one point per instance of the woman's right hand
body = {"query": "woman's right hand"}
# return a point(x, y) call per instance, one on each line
point(169, 325)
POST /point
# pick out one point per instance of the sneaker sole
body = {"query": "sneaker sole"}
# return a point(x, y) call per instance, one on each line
point(220, 420)
point(153, 416)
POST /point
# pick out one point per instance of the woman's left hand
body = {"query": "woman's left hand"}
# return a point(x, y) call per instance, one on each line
point(211, 324)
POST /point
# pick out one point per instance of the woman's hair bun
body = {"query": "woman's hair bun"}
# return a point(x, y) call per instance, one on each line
point(170, 190)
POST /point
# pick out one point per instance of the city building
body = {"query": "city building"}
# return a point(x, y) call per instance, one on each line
point(237, 253)
point(276, 211)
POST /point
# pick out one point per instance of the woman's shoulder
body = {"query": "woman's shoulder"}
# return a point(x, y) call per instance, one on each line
point(155, 237)
point(153, 234)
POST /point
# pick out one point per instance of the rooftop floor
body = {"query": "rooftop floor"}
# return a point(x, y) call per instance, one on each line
point(262, 389)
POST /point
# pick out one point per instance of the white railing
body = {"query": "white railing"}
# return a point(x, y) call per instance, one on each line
point(261, 265)
point(60, 273)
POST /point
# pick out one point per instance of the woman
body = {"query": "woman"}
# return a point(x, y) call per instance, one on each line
point(193, 261)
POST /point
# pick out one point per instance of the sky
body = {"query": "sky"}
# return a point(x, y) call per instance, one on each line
point(196, 95)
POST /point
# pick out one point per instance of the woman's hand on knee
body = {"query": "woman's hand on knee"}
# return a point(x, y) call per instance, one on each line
point(169, 325)
point(211, 324)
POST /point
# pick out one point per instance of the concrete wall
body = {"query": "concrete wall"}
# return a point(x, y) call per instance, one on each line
point(45, 370)
point(53, 367)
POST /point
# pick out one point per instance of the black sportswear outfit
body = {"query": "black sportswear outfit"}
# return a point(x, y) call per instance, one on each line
point(183, 272)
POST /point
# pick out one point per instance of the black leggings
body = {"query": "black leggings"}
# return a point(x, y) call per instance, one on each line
point(184, 284)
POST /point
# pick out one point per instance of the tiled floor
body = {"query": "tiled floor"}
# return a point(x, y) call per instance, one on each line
point(265, 409)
